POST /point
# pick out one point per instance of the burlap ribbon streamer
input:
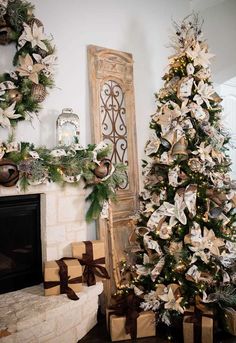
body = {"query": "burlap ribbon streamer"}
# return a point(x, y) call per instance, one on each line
point(127, 306)
point(64, 281)
point(195, 317)
point(92, 267)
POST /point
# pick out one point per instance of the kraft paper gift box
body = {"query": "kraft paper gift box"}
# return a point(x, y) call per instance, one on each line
point(230, 320)
point(91, 255)
point(146, 325)
point(198, 327)
point(63, 276)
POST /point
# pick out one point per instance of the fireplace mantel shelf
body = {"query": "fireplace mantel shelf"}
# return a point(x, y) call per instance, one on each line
point(30, 317)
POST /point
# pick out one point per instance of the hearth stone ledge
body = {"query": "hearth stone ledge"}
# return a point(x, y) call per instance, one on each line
point(30, 317)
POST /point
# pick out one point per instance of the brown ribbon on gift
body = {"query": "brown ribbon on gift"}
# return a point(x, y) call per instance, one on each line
point(64, 280)
point(92, 267)
point(196, 318)
point(128, 306)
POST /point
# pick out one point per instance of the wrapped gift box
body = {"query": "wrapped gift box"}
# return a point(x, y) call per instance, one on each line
point(146, 325)
point(81, 248)
point(91, 255)
point(62, 276)
point(198, 327)
point(230, 320)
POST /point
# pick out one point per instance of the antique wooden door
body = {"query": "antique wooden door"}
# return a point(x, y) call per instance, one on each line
point(113, 121)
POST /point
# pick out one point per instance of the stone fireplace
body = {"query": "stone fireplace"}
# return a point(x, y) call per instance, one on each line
point(62, 216)
point(27, 315)
point(20, 242)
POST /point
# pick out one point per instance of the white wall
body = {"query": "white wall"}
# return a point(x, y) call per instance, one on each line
point(219, 29)
point(140, 27)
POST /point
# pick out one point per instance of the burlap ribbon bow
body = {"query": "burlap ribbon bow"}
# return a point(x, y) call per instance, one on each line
point(93, 267)
point(128, 306)
point(64, 281)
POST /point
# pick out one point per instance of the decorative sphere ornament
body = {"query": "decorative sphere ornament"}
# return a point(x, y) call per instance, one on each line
point(5, 35)
point(215, 212)
point(9, 173)
point(38, 92)
point(14, 95)
point(180, 267)
point(103, 169)
point(194, 164)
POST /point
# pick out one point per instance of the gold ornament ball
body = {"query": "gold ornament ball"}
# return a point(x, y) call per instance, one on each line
point(14, 95)
point(180, 267)
point(38, 92)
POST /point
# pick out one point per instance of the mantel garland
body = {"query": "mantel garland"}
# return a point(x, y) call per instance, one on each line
point(22, 90)
point(26, 165)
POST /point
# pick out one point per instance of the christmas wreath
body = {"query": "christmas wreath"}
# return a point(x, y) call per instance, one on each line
point(22, 90)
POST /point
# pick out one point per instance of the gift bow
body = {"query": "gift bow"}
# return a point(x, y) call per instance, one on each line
point(92, 267)
point(128, 306)
point(64, 281)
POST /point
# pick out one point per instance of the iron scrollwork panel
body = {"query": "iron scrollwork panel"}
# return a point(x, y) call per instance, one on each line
point(114, 129)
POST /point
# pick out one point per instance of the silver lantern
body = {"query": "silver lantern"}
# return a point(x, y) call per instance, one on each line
point(68, 130)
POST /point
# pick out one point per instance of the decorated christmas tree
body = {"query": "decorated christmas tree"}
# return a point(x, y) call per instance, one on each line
point(185, 230)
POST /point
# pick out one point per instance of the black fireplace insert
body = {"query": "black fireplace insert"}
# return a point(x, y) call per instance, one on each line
point(20, 242)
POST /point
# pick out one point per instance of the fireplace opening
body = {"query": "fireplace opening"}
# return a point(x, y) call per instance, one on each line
point(20, 242)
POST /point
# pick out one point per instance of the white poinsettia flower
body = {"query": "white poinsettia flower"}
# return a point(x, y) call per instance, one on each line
point(33, 34)
point(150, 302)
point(48, 62)
point(7, 114)
point(209, 243)
point(205, 93)
point(171, 302)
point(204, 153)
point(180, 111)
point(199, 55)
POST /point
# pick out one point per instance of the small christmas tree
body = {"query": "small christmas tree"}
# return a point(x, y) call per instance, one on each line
point(185, 230)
